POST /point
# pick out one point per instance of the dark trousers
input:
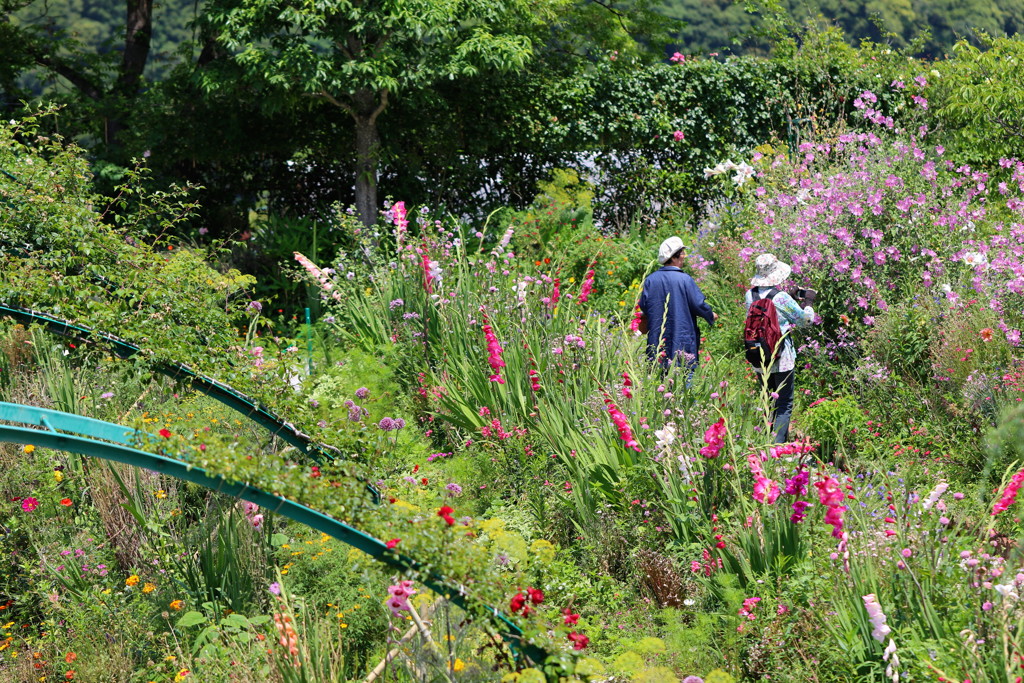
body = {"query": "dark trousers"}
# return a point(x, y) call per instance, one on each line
point(782, 407)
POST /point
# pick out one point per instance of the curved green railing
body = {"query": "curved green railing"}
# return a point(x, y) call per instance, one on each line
point(108, 441)
point(219, 391)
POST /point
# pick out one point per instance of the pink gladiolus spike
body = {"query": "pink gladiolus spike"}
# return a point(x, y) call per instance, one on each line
point(494, 351)
point(713, 439)
point(588, 287)
point(621, 423)
point(427, 277)
point(1009, 493)
point(318, 275)
point(634, 324)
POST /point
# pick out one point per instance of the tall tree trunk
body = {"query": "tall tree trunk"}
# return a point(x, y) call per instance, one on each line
point(138, 33)
point(367, 145)
point(365, 109)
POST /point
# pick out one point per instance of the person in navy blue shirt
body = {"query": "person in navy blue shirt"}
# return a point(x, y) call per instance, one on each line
point(670, 304)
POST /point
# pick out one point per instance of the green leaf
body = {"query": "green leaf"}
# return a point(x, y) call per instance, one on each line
point(236, 620)
point(190, 619)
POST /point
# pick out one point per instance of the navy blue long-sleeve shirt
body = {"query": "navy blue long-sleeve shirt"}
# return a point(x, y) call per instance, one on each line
point(671, 299)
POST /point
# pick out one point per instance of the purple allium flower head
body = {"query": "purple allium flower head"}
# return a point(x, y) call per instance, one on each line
point(396, 303)
point(362, 392)
point(387, 424)
point(256, 306)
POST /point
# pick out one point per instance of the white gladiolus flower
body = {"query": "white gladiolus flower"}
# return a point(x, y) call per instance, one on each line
point(665, 435)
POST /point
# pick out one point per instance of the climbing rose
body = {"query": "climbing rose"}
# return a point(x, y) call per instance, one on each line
point(579, 640)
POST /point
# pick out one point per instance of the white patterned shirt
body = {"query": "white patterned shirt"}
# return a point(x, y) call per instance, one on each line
point(790, 316)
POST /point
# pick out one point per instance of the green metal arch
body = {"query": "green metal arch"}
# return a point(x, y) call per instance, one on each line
point(118, 449)
point(219, 391)
point(224, 393)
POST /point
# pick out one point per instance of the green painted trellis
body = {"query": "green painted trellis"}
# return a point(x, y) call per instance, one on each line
point(95, 438)
point(224, 393)
point(216, 390)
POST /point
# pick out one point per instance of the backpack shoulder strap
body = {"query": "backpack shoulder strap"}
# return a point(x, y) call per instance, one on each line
point(770, 294)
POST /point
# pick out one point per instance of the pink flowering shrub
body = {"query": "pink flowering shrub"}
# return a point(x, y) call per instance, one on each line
point(874, 218)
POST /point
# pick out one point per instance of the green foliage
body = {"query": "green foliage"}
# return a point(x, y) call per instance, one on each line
point(837, 426)
point(978, 95)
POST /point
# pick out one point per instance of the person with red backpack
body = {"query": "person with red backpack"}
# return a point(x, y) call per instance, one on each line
point(771, 314)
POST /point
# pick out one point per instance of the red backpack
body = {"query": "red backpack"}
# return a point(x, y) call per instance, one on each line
point(761, 333)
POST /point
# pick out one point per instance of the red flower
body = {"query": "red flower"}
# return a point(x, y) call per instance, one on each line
point(66, 502)
point(579, 640)
point(536, 597)
point(315, 472)
point(570, 618)
point(392, 543)
point(445, 513)
point(517, 602)
point(423, 481)
point(166, 433)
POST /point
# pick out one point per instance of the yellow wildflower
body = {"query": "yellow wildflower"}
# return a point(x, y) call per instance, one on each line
point(58, 476)
point(149, 587)
point(28, 448)
point(161, 494)
point(459, 665)
point(132, 580)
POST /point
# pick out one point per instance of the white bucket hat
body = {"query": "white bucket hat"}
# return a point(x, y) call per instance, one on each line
point(669, 248)
point(770, 271)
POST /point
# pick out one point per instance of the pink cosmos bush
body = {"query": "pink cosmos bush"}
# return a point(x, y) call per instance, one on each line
point(876, 217)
